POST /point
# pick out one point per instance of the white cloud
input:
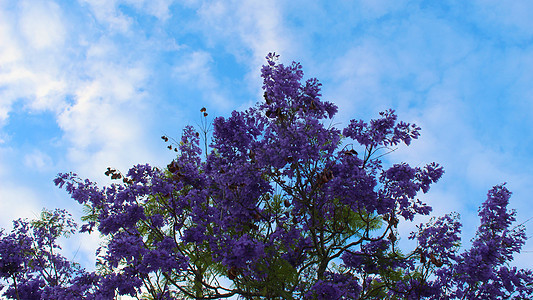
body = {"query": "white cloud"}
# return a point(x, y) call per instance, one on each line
point(31, 56)
point(107, 12)
point(17, 201)
point(261, 27)
point(247, 29)
point(37, 160)
point(359, 73)
point(93, 86)
point(9, 51)
point(9, 54)
point(156, 8)
point(195, 69)
point(41, 25)
point(81, 248)
point(106, 124)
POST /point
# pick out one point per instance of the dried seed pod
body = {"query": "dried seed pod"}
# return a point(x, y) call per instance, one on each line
point(173, 167)
point(392, 237)
point(287, 203)
point(233, 272)
point(270, 113)
point(267, 99)
point(435, 261)
point(351, 152)
point(393, 221)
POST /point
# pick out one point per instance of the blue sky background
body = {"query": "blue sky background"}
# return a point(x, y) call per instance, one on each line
point(94, 83)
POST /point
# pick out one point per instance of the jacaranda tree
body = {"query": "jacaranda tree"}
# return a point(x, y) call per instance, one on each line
point(279, 206)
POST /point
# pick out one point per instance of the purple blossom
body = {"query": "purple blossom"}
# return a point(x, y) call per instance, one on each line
point(323, 290)
point(273, 205)
point(244, 251)
point(439, 238)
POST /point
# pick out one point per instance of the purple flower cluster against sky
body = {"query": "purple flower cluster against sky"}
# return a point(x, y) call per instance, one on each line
point(280, 205)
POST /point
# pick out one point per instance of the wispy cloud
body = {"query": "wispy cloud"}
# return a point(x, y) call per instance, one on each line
point(37, 160)
point(31, 38)
point(246, 29)
point(41, 24)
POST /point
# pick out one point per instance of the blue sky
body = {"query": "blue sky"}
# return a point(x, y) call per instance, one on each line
point(94, 83)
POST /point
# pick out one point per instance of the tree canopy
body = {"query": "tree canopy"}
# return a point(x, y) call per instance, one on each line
point(279, 205)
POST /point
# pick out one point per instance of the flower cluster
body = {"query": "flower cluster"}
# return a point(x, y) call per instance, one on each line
point(31, 265)
point(273, 206)
point(483, 271)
